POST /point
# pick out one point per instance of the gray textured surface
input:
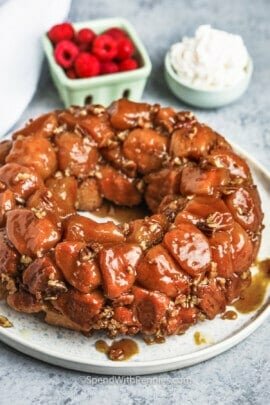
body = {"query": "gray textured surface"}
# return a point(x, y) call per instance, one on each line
point(240, 375)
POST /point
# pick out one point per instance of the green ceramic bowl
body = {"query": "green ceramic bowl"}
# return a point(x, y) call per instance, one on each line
point(205, 98)
point(102, 89)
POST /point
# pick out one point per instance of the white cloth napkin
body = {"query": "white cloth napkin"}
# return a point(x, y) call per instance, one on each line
point(22, 23)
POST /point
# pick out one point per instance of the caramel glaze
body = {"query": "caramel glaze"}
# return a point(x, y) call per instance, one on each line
point(119, 350)
point(199, 339)
point(101, 346)
point(156, 275)
point(229, 315)
point(252, 298)
point(5, 322)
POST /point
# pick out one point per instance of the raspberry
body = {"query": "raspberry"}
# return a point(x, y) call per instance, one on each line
point(104, 47)
point(128, 64)
point(86, 65)
point(125, 48)
point(116, 33)
point(61, 32)
point(85, 36)
point(71, 74)
point(108, 67)
point(65, 53)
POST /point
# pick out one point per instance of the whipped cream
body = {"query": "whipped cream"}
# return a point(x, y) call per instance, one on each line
point(213, 59)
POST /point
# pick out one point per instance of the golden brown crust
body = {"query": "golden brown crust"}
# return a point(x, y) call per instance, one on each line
point(156, 275)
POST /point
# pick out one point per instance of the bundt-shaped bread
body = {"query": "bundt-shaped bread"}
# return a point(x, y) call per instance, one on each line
point(156, 275)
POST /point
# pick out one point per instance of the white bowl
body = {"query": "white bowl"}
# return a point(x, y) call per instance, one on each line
point(202, 98)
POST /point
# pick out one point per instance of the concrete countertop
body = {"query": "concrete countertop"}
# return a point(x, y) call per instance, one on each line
point(240, 375)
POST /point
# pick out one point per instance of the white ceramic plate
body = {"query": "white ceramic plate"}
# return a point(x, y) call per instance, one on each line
point(73, 350)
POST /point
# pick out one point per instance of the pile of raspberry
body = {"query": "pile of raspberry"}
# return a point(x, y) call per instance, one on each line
point(85, 54)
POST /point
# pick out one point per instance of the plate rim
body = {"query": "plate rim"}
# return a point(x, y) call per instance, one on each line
point(150, 366)
point(133, 367)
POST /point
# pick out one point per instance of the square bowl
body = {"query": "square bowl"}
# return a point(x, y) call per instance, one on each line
point(106, 88)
